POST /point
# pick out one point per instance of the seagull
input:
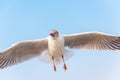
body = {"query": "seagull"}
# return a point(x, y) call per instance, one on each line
point(55, 47)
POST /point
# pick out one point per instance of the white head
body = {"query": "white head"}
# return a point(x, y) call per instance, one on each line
point(54, 34)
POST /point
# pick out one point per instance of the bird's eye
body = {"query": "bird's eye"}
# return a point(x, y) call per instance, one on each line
point(56, 32)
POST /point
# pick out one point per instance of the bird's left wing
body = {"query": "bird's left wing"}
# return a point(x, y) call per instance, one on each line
point(22, 51)
point(93, 40)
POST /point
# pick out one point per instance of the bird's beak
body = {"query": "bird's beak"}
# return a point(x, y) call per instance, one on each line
point(52, 34)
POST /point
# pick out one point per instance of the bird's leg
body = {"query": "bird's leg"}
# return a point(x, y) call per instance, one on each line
point(54, 66)
point(65, 66)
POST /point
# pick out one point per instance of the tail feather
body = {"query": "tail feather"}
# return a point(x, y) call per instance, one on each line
point(45, 57)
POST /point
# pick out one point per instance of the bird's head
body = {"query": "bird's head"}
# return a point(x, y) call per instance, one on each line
point(54, 33)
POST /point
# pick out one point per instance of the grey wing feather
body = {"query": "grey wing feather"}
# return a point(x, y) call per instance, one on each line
point(22, 51)
point(93, 40)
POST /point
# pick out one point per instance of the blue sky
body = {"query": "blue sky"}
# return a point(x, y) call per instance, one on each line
point(33, 19)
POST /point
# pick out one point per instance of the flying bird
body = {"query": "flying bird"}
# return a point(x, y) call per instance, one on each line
point(54, 47)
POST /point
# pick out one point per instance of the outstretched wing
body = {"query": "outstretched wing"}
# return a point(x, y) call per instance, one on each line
point(93, 40)
point(22, 51)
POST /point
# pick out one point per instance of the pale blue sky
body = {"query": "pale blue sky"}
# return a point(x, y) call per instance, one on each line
point(33, 19)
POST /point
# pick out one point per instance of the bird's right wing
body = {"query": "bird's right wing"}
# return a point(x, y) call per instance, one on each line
point(22, 51)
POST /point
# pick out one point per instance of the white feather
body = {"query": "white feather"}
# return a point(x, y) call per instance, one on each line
point(45, 57)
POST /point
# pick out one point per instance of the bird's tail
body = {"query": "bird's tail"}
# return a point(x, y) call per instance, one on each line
point(45, 57)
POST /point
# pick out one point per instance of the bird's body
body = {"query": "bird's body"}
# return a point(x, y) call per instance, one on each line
point(55, 45)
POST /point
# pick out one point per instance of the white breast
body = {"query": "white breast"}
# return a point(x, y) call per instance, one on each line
point(56, 46)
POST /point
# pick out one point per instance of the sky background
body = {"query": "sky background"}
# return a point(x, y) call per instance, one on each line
point(33, 19)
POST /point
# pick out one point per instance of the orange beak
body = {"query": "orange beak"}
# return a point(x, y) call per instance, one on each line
point(52, 34)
